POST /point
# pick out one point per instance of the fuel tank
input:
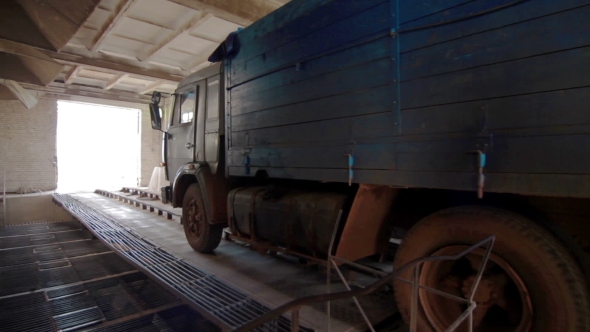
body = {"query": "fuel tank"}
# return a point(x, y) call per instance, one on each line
point(294, 219)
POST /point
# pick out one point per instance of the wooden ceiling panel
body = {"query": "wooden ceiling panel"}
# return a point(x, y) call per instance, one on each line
point(162, 13)
point(192, 45)
point(123, 46)
point(136, 81)
point(110, 5)
point(84, 37)
point(215, 29)
point(97, 19)
point(138, 30)
point(127, 87)
point(88, 82)
point(172, 57)
point(136, 46)
point(94, 74)
point(168, 88)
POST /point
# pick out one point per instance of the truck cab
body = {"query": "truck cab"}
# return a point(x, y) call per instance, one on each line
point(195, 128)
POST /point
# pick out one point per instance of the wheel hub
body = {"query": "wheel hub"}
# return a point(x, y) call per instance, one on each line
point(194, 218)
point(502, 299)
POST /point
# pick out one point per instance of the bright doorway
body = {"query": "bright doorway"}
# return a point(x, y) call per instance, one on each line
point(98, 146)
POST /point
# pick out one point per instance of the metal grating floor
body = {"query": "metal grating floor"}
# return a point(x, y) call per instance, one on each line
point(217, 301)
point(76, 283)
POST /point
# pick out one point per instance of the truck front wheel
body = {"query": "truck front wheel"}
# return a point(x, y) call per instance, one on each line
point(200, 234)
point(530, 283)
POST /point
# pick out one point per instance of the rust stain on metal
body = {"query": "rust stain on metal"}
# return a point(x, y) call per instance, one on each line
point(364, 232)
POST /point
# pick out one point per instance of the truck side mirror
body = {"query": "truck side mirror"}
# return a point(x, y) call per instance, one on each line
point(155, 115)
point(155, 111)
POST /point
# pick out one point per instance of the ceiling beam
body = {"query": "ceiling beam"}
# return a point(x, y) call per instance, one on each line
point(151, 87)
point(57, 20)
point(72, 74)
point(71, 90)
point(184, 29)
point(20, 93)
point(116, 80)
point(118, 13)
point(113, 67)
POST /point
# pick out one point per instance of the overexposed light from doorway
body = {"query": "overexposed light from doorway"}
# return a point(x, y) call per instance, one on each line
point(98, 147)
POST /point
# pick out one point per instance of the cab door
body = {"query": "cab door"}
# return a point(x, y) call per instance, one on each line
point(181, 133)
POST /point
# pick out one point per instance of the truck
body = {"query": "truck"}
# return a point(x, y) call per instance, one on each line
point(444, 122)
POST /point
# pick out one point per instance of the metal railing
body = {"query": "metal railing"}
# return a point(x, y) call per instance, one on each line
point(295, 305)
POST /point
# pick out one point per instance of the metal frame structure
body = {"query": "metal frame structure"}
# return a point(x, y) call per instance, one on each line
point(295, 306)
point(4, 222)
point(218, 302)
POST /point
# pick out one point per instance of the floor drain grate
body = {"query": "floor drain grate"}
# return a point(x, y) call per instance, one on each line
point(216, 300)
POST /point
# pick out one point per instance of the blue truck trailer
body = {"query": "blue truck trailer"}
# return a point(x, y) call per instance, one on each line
point(444, 121)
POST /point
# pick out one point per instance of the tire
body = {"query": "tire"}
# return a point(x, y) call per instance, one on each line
point(553, 280)
point(200, 234)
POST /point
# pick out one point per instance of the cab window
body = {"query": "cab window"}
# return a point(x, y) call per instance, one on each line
point(213, 98)
point(186, 106)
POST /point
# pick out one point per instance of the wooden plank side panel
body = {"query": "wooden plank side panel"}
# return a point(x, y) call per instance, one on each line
point(376, 100)
point(366, 156)
point(324, 65)
point(361, 77)
point(442, 33)
point(413, 10)
point(555, 71)
point(336, 130)
point(563, 154)
point(539, 110)
point(556, 185)
point(557, 32)
point(295, 20)
point(372, 21)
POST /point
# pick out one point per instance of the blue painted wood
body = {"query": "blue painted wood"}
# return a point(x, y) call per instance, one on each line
point(348, 105)
point(554, 71)
point(395, 19)
point(295, 20)
point(373, 156)
point(366, 76)
point(524, 39)
point(520, 74)
point(366, 23)
point(494, 20)
point(537, 110)
point(413, 10)
point(325, 65)
point(564, 185)
point(342, 129)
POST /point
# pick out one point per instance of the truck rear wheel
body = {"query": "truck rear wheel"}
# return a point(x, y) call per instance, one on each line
point(531, 282)
point(200, 234)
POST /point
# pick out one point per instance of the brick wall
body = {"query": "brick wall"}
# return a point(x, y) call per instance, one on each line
point(28, 144)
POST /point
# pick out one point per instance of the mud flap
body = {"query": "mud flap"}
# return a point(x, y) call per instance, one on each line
point(366, 231)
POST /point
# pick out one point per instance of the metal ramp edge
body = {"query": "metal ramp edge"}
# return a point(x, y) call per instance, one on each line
point(223, 305)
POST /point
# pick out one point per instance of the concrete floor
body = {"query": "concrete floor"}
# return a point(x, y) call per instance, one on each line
point(270, 280)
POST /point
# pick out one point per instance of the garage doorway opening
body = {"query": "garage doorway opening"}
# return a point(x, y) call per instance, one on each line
point(98, 146)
